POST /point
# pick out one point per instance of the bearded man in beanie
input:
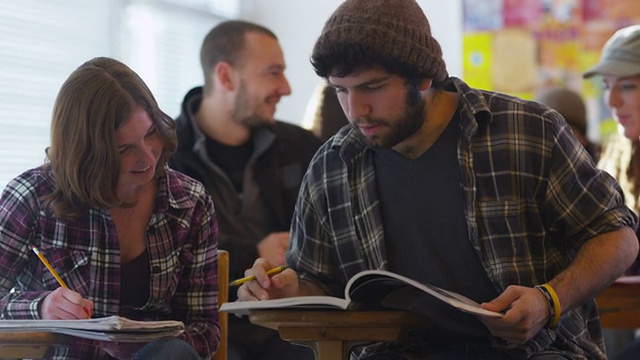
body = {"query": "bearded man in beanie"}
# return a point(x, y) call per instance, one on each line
point(477, 192)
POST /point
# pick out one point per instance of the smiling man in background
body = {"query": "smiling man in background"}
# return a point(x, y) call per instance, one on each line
point(251, 164)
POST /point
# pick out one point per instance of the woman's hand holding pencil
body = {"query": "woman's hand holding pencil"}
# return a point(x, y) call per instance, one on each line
point(62, 303)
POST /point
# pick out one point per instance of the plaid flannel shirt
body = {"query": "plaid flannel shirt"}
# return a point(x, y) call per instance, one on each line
point(533, 197)
point(182, 246)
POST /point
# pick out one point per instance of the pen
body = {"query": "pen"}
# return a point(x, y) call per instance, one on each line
point(243, 280)
point(54, 273)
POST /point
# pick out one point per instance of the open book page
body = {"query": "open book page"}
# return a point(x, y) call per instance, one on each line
point(372, 286)
point(112, 328)
point(367, 290)
point(298, 302)
point(629, 279)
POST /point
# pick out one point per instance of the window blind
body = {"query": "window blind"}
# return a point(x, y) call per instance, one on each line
point(43, 41)
point(40, 45)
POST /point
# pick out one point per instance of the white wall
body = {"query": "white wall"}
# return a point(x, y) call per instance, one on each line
point(298, 23)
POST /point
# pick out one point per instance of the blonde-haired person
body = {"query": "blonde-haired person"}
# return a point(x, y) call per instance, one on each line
point(128, 235)
point(619, 68)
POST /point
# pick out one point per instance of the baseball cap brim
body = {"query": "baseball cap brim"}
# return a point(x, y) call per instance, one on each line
point(613, 68)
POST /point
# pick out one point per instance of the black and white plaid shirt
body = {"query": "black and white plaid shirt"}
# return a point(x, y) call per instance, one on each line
point(533, 198)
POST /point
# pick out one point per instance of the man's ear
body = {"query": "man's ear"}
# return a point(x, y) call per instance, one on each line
point(225, 75)
point(425, 84)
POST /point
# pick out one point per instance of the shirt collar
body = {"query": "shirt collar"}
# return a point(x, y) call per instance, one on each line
point(171, 193)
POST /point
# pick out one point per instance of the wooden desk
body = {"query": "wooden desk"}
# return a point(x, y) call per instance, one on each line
point(29, 344)
point(619, 304)
point(332, 333)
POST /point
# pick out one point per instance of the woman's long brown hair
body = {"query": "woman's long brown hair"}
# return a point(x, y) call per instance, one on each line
point(96, 99)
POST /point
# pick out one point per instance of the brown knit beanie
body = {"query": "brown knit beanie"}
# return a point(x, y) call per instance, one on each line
point(397, 29)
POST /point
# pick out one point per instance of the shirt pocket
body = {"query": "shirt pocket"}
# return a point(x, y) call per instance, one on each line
point(513, 237)
point(73, 266)
point(499, 219)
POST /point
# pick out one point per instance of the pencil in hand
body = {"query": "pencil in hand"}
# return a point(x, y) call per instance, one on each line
point(55, 275)
point(243, 280)
point(49, 267)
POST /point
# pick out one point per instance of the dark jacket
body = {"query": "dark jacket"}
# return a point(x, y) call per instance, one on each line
point(280, 159)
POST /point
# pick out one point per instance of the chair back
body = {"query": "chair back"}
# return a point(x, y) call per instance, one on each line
point(223, 297)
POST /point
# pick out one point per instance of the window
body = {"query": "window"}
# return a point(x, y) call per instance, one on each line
point(39, 48)
point(43, 41)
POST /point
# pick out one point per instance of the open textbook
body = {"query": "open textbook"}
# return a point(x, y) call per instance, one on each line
point(111, 328)
point(367, 290)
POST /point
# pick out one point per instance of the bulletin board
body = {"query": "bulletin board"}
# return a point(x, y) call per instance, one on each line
point(521, 46)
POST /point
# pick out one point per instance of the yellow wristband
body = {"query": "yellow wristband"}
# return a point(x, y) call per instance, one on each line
point(557, 310)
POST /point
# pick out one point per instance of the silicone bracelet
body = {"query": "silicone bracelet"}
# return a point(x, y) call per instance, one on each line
point(554, 302)
point(550, 306)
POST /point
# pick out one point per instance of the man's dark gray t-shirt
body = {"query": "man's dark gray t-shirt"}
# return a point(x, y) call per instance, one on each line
point(425, 229)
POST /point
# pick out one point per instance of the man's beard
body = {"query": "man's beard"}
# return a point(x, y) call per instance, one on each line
point(401, 128)
point(244, 110)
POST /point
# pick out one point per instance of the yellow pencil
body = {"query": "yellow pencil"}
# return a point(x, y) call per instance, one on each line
point(55, 274)
point(51, 269)
point(243, 280)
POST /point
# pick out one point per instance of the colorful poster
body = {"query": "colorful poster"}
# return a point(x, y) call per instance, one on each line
point(478, 59)
point(593, 10)
point(514, 61)
point(522, 13)
point(482, 15)
point(520, 46)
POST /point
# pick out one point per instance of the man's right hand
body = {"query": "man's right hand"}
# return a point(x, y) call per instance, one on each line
point(264, 287)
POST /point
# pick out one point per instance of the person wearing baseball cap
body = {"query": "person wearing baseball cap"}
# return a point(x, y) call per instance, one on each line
point(619, 70)
point(477, 192)
point(620, 55)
